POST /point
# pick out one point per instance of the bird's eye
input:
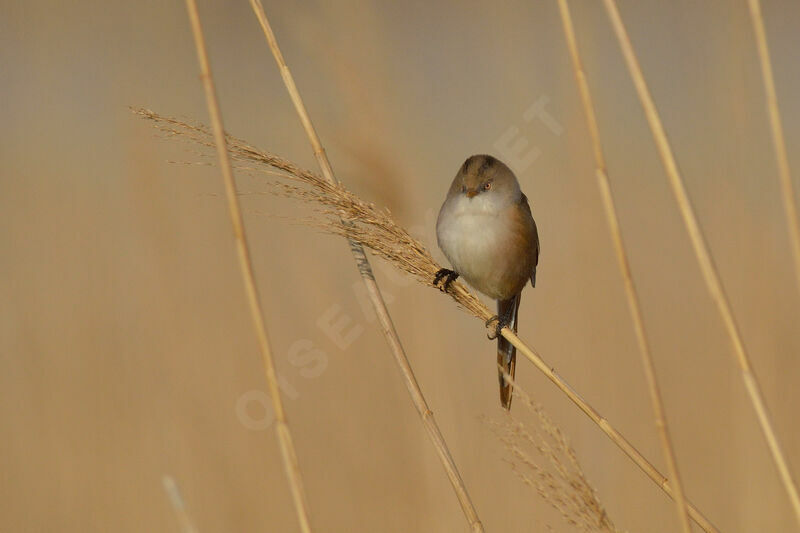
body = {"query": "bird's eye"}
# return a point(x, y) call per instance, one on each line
point(463, 188)
point(487, 185)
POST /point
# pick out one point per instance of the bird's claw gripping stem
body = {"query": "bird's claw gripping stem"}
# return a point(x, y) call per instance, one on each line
point(448, 275)
point(500, 324)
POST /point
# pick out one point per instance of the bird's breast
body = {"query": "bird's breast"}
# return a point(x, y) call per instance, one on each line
point(482, 248)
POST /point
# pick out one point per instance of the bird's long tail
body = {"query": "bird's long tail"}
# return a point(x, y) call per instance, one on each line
point(506, 353)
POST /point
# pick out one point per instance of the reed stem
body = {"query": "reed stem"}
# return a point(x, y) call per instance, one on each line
point(779, 143)
point(281, 425)
point(707, 267)
point(378, 304)
point(624, 267)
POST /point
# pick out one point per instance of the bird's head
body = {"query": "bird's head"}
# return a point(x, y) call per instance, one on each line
point(483, 176)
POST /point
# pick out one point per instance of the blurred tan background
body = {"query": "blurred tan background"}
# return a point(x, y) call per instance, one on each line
point(126, 350)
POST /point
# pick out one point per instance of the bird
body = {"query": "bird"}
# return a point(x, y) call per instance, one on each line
point(486, 230)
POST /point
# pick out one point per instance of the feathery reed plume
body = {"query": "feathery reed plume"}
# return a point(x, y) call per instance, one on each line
point(709, 270)
point(562, 484)
point(374, 293)
point(375, 229)
point(343, 212)
point(176, 500)
point(624, 266)
point(778, 141)
point(281, 426)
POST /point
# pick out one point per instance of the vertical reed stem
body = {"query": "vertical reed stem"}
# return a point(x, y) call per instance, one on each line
point(373, 291)
point(281, 425)
point(787, 188)
point(624, 267)
point(703, 256)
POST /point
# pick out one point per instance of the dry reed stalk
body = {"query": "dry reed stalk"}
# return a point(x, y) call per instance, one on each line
point(563, 486)
point(375, 296)
point(624, 267)
point(779, 143)
point(344, 213)
point(281, 426)
point(176, 500)
point(704, 258)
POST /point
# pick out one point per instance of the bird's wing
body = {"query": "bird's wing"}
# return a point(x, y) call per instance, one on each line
point(535, 238)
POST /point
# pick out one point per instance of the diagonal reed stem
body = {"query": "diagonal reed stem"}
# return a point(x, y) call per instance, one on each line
point(281, 426)
point(373, 291)
point(629, 449)
point(624, 267)
point(787, 188)
point(707, 267)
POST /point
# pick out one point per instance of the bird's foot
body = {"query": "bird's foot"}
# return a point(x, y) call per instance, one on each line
point(449, 277)
point(500, 323)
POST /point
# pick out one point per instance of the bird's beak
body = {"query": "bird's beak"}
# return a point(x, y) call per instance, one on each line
point(471, 193)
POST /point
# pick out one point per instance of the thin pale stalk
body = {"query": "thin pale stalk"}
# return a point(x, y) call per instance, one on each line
point(176, 500)
point(281, 426)
point(707, 267)
point(779, 143)
point(364, 268)
point(624, 267)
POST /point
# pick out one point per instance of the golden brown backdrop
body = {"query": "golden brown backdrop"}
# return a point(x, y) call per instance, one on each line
point(126, 350)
